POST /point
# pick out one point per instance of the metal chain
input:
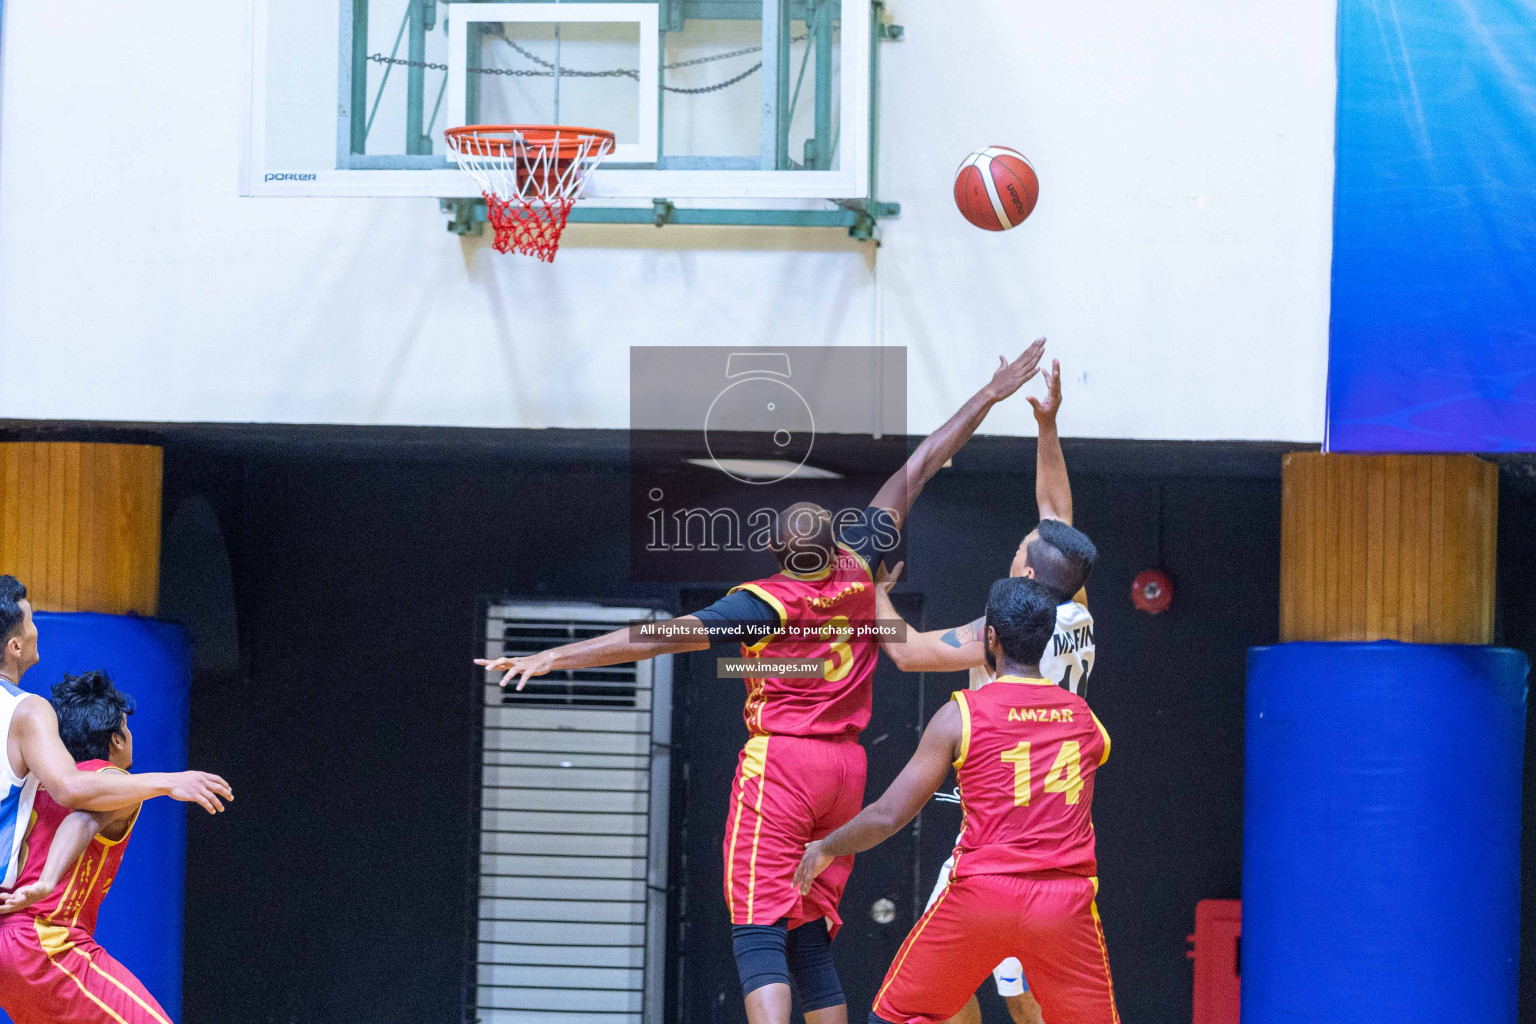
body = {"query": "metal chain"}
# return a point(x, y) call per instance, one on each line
point(754, 69)
point(615, 73)
point(379, 58)
point(635, 74)
point(722, 56)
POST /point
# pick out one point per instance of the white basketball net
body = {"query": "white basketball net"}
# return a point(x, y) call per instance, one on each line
point(529, 184)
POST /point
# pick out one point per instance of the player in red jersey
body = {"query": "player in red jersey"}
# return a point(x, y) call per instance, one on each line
point(801, 774)
point(1026, 753)
point(51, 969)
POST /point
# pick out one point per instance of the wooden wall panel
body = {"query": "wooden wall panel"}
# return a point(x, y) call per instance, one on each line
point(80, 525)
point(1388, 547)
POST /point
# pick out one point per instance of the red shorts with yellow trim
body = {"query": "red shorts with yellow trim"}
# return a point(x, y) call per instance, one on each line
point(1047, 919)
point(788, 791)
point(50, 974)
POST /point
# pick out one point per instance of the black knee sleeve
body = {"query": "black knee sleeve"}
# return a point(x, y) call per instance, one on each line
point(760, 957)
point(810, 963)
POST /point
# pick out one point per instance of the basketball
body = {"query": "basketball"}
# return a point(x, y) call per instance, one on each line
point(996, 188)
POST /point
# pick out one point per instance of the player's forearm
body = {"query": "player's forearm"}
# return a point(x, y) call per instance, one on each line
point(945, 443)
point(108, 791)
point(1053, 491)
point(913, 787)
point(71, 840)
point(948, 650)
point(916, 652)
point(901, 490)
point(885, 611)
point(618, 648)
point(868, 829)
point(931, 652)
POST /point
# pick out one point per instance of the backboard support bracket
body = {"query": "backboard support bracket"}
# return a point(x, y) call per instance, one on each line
point(860, 218)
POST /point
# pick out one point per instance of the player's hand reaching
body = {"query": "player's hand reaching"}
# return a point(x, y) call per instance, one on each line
point(201, 788)
point(1047, 407)
point(885, 578)
point(525, 665)
point(812, 864)
point(21, 899)
point(1012, 376)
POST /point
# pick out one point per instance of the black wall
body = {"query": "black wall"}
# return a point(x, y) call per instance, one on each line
point(333, 578)
point(1516, 626)
point(337, 889)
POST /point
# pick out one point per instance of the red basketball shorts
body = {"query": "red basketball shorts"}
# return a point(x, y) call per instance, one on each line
point(1048, 920)
point(788, 791)
point(55, 975)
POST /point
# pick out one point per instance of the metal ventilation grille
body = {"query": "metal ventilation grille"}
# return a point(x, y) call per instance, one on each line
point(573, 840)
point(510, 631)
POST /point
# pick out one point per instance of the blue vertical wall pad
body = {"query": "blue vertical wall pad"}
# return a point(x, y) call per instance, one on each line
point(1381, 834)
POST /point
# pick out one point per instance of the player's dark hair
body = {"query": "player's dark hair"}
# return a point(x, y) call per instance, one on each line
point(1022, 612)
point(1061, 557)
point(90, 711)
point(12, 593)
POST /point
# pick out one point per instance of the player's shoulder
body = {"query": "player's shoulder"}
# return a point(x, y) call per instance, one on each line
point(1073, 613)
point(97, 765)
point(30, 716)
point(32, 707)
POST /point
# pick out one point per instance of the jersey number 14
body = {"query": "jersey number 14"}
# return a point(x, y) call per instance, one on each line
point(1065, 776)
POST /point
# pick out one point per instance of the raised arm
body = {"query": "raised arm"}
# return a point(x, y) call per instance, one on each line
point(902, 489)
point(43, 754)
point(73, 837)
point(738, 610)
point(616, 648)
point(939, 650)
point(1053, 491)
point(899, 804)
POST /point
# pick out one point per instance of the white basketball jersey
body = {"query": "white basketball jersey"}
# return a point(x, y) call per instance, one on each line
point(16, 795)
point(1068, 657)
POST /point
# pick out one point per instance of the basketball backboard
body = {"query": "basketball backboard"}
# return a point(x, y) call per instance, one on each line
point(727, 99)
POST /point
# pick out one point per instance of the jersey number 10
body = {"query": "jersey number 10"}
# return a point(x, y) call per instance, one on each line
point(1065, 776)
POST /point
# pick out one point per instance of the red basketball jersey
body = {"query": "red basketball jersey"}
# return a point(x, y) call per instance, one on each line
point(818, 617)
point(75, 902)
point(1028, 753)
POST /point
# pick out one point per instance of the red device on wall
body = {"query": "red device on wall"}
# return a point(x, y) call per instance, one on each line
point(1152, 591)
point(1218, 930)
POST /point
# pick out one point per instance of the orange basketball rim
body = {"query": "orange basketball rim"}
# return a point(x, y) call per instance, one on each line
point(530, 176)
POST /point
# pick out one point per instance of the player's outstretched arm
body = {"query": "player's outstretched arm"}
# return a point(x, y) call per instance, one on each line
point(71, 840)
point(616, 648)
point(902, 489)
point(1053, 491)
point(44, 755)
point(899, 804)
point(938, 650)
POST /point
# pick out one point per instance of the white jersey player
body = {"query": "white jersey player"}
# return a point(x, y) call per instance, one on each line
point(1068, 660)
point(1060, 557)
point(19, 790)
